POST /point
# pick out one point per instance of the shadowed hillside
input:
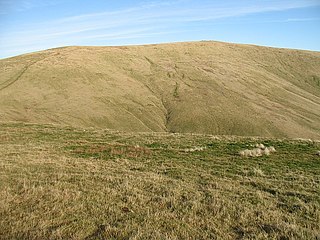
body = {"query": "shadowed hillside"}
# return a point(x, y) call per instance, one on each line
point(202, 87)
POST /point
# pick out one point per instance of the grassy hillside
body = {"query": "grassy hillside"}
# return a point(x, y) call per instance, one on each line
point(72, 183)
point(201, 87)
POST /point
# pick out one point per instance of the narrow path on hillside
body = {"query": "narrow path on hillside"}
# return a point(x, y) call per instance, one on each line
point(16, 78)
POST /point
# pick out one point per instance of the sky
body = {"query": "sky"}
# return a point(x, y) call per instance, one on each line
point(32, 25)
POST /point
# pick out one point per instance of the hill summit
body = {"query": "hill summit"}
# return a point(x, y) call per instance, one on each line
point(198, 87)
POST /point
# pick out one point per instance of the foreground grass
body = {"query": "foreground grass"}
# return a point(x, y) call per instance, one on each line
point(66, 183)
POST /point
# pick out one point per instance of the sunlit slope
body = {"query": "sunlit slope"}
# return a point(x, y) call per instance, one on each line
point(201, 87)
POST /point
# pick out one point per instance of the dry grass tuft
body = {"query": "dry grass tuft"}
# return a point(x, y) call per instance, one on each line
point(258, 172)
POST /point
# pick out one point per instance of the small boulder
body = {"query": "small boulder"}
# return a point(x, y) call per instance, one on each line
point(272, 149)
point(257, 152)
point(261, 146)
point(266, 151)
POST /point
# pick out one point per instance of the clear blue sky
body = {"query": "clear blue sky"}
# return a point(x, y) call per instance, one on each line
point(31, 25)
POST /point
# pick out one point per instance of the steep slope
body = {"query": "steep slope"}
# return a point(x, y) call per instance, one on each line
point(201, 87)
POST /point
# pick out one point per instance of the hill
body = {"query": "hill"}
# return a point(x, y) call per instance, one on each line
point(199, 87)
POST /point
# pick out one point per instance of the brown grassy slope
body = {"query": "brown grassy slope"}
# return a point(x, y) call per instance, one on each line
point(203, 87)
